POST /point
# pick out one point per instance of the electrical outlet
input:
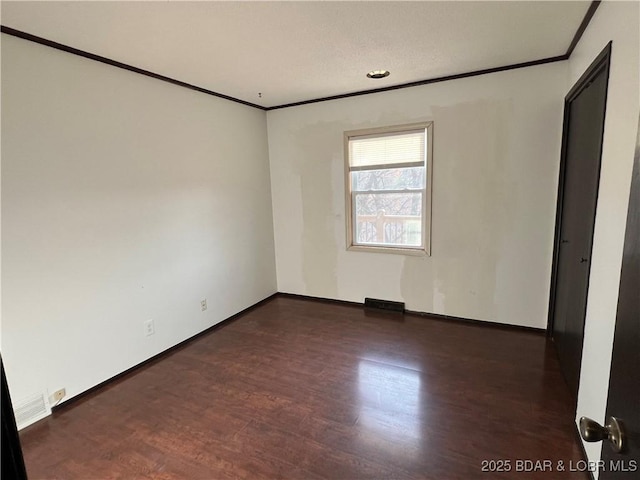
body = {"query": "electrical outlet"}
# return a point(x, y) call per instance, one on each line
point(56, 396)
point(203, 304)
point(148, 328)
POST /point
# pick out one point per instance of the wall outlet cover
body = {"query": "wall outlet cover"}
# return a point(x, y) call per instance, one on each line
point(149, 329)
point(56, 396)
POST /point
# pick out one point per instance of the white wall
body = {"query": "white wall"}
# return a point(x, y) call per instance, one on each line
point(496, 156)
point(617, 21)
point(123, 199)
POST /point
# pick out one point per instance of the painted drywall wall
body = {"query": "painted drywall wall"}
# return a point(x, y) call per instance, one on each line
point(495, 168)
point(123, 199)
point(617, 22)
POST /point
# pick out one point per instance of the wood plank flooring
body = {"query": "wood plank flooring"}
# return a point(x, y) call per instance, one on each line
point(297, 389)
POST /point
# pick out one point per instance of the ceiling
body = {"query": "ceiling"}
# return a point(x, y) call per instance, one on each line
point(296, 51)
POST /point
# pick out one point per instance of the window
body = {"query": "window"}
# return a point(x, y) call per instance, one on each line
point(389, 189)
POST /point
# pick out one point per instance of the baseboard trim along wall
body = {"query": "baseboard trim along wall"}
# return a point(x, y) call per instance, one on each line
point(320, 299)
point(486, 323)
point(434, 316)
point(159, 356)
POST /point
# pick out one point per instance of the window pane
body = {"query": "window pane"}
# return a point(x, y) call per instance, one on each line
point(387, 149)
point(388, 179)
point(393, 219)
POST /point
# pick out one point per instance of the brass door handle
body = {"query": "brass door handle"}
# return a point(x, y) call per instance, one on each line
point(592, 431)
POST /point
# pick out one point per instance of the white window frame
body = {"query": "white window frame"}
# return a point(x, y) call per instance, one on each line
point(425, 248)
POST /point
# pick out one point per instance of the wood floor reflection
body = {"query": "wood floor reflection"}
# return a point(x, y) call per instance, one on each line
point(297, 389)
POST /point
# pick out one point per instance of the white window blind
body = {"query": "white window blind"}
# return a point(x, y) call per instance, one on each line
point(391, 150)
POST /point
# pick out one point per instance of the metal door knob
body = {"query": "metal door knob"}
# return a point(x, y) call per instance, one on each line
point(592, 431)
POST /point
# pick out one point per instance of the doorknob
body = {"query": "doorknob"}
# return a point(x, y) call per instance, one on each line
point(592, 431)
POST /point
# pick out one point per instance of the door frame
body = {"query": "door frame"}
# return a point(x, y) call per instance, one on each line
point(602, 62)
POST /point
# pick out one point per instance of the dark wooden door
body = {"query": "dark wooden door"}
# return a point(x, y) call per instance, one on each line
point(577, 197)
point(624, 383)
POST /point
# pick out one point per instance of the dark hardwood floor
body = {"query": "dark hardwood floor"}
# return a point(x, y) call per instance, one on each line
point(297, 389)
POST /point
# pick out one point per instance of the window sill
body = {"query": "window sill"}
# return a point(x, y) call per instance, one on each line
point(414, 252)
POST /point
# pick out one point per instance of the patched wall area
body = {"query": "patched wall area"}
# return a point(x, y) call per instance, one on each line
point(495, 168)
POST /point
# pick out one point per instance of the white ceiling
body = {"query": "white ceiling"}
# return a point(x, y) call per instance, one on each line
point(295, 51)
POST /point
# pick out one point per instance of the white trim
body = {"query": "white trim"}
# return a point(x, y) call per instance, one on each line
point(386, 166)
point(381, 131)
point(425, 248)
point(404, 250)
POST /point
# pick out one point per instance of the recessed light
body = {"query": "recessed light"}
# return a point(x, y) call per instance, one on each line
point(378, 73)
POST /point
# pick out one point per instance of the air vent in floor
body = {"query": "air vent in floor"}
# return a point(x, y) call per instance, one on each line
point(384, 305)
